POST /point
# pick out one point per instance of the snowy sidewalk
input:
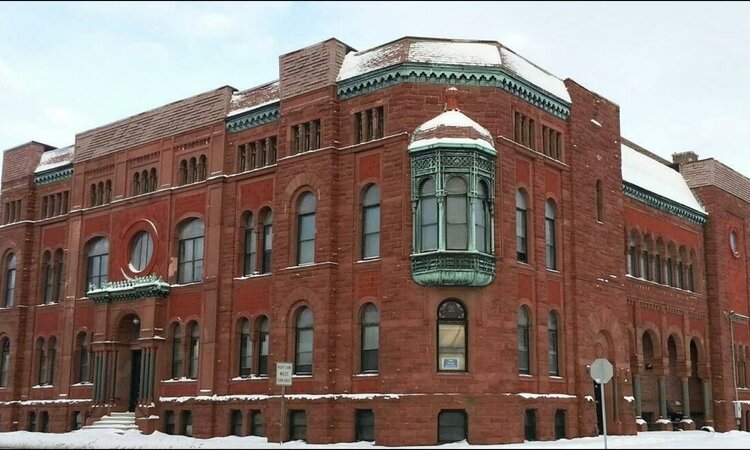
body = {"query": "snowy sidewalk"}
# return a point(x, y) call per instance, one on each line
point(133, 439)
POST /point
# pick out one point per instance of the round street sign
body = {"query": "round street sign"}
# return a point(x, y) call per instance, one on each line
point(601, 370)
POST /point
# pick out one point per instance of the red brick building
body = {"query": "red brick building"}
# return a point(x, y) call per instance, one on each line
point(437, 264)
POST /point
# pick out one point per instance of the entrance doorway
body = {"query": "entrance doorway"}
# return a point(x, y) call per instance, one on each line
point(135, 379)
point(598, 399)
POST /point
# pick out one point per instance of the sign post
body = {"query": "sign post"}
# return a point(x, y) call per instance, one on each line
point(601, 372)
point(283, 379)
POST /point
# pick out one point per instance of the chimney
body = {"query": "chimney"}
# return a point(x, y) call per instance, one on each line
point(451, 99)
point(684, 157)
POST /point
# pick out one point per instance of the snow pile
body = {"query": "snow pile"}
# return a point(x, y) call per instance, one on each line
point(453, 119)
point(629, 398)
point(95, 439)
point(530, 395)
point(357, 63)
point(651, 175)
point(455, 141)
point(459, 53)
point(533, 74)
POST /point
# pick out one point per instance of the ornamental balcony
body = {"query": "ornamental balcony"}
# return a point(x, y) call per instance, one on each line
point(453, 268)
point(133, 289)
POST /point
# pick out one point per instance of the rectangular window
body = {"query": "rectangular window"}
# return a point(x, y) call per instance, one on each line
point(271, 151)
point(529, 425)
point(256, 425)
point(560, 424)
point(550, 244)
point(306, 250)
point(523, 350)
point(297, 426)
point(524, 131)
point(551, 143)
point(186, 423)
point(521, 242)
point(368, 125)
point(235, 422)
point(452, 426)
point(306, 136)
point(553, 360)
point(263, 341)
point(267, 246)
point(657, 269)
point(169, 422)
point(645, 269)
point(451, 347)
point(364, 425)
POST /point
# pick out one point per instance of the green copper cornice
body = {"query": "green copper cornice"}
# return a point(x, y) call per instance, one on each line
point(52, 175)
point(663, 203)
point(253, 118)
point(453, 75)
point(136, 288)
point(451, 268)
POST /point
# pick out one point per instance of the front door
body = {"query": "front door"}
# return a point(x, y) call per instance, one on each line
point(135, 379)
point(598, 398)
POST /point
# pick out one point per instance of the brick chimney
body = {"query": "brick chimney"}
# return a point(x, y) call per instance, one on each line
point(684, 157)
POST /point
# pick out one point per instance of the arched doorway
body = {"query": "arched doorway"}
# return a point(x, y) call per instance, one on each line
point(129, 357)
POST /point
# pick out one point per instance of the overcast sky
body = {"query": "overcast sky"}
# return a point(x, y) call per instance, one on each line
point(679, 71)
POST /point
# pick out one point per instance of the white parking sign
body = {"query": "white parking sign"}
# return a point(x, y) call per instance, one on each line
point(283, 374)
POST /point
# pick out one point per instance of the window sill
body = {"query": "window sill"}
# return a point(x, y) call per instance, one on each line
point(555, 377)
point(554, 271)
point(250, 378)
point(255, 275)
point(42, 386)
point(302, 375)
point(368, 260)
point(366, 375)
point(192, 283)
point(525, 375)
point(179, 380)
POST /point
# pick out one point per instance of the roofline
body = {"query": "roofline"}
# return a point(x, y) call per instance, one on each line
point(46, 146)
point(645, 152)
point(250, 89)
point(716, 161)
point(82, 133)
point(349, 47)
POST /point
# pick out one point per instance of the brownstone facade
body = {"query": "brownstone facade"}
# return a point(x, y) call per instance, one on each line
point(178, 323)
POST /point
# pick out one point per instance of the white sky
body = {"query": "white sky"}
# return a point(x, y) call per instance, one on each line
point(679, 71)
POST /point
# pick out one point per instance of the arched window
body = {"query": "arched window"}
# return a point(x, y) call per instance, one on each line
point(51, 356)
point(192, 171)
point(100, 193)
point(550, 213)
point(263, 346)
point(553, 344)
point(59, 278)
point(152, 180)
point(195, 333)
point(4, 361)
point(107, 192)
point(451, 333)
point(10, 280)
point(41, 360)
point(190, 267)
point(242, 158)
point(98, 263)
point(202, 168)
point(428, 206)
point(599, 201)
point(370, 339)
point(145, 182)
point(522, 249)
point(482, 237)
point(136, 183)
point(658, 274)
point(250, 259)
point(303, 355)
point(183, 172)
point(48, 278)
point(633, 253)
point(84, 363)
point(177, 351)
point(92, 195)
point(524, 341)
point(690, 272)
point(456, 216)
point(267, 241)
point(306, 229)
point(246, 348)
point(371, 222)
point(645, 261)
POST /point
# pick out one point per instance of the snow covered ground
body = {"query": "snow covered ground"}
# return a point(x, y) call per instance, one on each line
point(134, 439)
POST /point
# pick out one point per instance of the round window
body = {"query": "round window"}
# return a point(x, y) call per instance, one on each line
point(141, 251)
point(734, 242)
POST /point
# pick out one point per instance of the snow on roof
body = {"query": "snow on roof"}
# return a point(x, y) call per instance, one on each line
point(55, 158)
point(453, 119)
point(450, 140)
point(254, 98)
point(651, 175)
point(450, 52)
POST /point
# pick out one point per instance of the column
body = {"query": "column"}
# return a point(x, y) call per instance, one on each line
point(708, 413)
point(685, 398)
point(637, 395)
point(142, 377)
point(662, 398)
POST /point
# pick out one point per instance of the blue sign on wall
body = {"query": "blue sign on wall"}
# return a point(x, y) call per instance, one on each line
point(449, 363)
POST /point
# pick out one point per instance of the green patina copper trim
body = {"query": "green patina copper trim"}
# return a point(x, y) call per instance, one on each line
point(486, 148)
point(52, 175)
point(450, 268)
point(253, 118)
point(454, 75)
point(138, 287)
point(663, 203)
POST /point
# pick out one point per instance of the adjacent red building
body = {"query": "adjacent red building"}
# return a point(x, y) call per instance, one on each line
point(439, 235)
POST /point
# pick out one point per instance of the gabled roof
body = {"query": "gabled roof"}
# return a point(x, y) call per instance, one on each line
point(253, 98)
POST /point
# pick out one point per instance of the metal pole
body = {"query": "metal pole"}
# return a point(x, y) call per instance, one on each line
point(734, 367)
point(281, 419)
point(604, 415)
